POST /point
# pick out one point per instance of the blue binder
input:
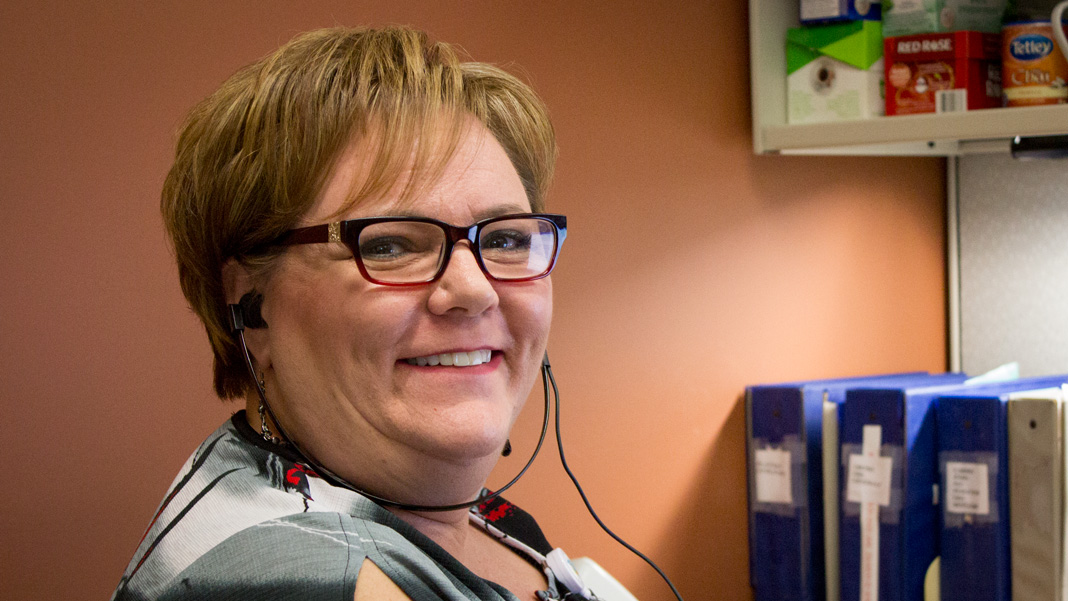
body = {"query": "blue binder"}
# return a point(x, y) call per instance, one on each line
point(907, 527)
point(786, 552)
point(972, 433)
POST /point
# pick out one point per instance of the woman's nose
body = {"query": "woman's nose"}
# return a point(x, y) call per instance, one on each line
point(464, 287)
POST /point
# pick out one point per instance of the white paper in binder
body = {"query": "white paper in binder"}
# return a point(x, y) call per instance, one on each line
point(869, 485)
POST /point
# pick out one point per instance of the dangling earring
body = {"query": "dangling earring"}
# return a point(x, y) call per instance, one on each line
point(264, 429)
point(507, 447)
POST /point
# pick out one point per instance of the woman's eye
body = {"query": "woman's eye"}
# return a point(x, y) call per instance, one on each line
point(384, 249)
point(504, 240)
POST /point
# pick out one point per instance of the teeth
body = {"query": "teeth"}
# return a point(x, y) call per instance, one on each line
point(454, 359)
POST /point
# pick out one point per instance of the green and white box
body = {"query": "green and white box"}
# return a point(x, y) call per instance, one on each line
point(834, 72)
point(910, 17)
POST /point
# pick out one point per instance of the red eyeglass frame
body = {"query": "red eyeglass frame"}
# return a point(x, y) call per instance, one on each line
point(348, 233)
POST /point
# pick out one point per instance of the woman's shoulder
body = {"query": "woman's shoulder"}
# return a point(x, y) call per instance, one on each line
point(230, 494)
point(244, 521)
point(301, 556)
point(324, 555)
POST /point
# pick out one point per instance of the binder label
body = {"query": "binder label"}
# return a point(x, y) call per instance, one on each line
point(869, 479)
point(773, 483)
point(967, 488)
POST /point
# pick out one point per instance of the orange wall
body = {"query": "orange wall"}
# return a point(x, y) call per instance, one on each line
point(693, 268)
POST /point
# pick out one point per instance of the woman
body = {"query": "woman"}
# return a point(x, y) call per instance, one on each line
point(386, 356)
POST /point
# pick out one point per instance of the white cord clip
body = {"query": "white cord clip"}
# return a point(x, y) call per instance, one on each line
point(560, 565)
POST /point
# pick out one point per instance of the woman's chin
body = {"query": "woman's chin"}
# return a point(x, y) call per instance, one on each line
point(473, 449)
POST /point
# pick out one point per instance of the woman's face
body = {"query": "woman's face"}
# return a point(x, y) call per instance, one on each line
point(337, 348)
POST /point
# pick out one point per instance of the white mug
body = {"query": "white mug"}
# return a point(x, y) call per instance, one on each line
point(1058, 26)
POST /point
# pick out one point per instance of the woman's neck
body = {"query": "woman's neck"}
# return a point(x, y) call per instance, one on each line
point(449, 529)
point(402, 475)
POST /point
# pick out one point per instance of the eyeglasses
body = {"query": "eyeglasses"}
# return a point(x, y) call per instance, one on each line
point(406, 251)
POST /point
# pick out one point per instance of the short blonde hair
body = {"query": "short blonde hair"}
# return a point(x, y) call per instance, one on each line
point(252, 158)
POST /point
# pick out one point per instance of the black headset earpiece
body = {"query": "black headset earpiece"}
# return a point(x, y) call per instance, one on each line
point(251, 305)
point(246, 314)
point(237, 319)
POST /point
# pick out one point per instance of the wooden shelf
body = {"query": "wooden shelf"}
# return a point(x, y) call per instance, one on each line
point(944, 134)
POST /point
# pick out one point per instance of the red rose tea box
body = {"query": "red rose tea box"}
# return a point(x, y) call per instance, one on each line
point(942, 72)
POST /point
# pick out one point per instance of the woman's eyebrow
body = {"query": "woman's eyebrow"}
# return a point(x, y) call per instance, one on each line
point(511, 209)
point(496, 211)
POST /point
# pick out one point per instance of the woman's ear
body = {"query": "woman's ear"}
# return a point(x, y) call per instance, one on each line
point(239, 290)
point(236, 281)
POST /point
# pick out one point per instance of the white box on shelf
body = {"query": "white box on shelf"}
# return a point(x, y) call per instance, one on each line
point(834, 72)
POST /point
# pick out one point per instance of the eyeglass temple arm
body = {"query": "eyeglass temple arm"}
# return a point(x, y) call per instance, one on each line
point(326, 232)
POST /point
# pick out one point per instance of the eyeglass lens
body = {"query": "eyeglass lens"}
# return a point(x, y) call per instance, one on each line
point(413, 251)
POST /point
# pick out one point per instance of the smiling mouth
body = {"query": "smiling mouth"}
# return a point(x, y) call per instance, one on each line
point(464, 359)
